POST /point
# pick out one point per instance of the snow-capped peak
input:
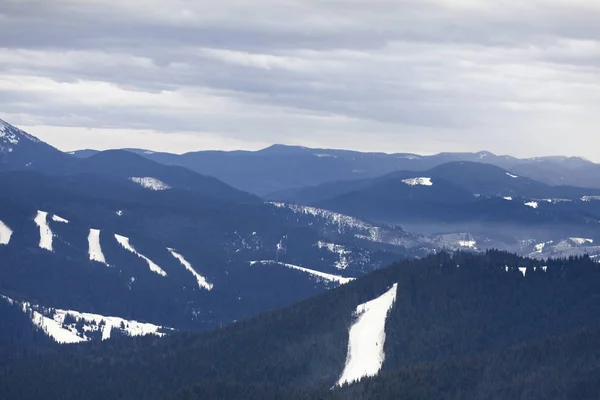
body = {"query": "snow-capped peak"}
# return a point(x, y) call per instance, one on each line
point(11, 135)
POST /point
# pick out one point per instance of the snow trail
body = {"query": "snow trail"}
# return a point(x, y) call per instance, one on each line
point(46, 235)
point(5, 233)
point(367, 338)
point(321, 275)
point(56, 218)
point(95, 249)
point(202, 282)
point(124, 242)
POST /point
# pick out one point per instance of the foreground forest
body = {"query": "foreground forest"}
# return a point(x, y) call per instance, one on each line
point(462, 326)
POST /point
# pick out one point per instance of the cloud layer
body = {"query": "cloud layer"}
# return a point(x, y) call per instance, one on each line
point(414, 76)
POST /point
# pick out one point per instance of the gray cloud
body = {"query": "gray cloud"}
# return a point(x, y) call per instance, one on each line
point(422, 76)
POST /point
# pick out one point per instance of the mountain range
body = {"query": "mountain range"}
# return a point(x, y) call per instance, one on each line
point(278, 168)
point(295, 273)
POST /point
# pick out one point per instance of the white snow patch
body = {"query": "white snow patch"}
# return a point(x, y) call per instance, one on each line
point(539, 247)
point(320, 155)
point(507, 198)
point(590, 198)
point(202, 282)
point(532, 204)
point(56, 218)
point(558, 200)
point(367, 338)
point(5, 233)
point(151, 183)
point(46, 235)
point(468, 243)
point(523, 270)
point(95, 249)
point(418, 182)
point(341, 251)
point(511, 175)
point(321, 275)
point(581, 241)
point(124, 241)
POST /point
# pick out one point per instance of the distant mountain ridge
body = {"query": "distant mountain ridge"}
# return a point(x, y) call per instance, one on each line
point(279, 167)
point(478, 179)
point(20, 151)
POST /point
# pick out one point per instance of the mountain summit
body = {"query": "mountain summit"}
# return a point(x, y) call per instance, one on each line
point(21, 151)
point(11, 135)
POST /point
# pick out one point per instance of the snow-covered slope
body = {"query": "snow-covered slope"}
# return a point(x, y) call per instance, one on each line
point(5, 233)
point(46, 234)
point(11, 136)
point(564, 247)
point(95, 249)
point(124, 242)
point(68, 326)
point(318, 274)
point(202, 282)
point(367, 338)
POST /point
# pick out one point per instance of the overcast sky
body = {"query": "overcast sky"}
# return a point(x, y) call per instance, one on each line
point(424, 76)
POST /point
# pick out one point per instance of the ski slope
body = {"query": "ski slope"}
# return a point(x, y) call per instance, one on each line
point(46, 234)
point(95, 249)
point(367, 338)
point(318, 274)
point(124, 242)
point(5, 233)
point(202, 282)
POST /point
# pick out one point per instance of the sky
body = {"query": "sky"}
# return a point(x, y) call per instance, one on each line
point(422, 76)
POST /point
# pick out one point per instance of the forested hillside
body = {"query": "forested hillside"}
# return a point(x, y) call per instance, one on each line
point(453, 314)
